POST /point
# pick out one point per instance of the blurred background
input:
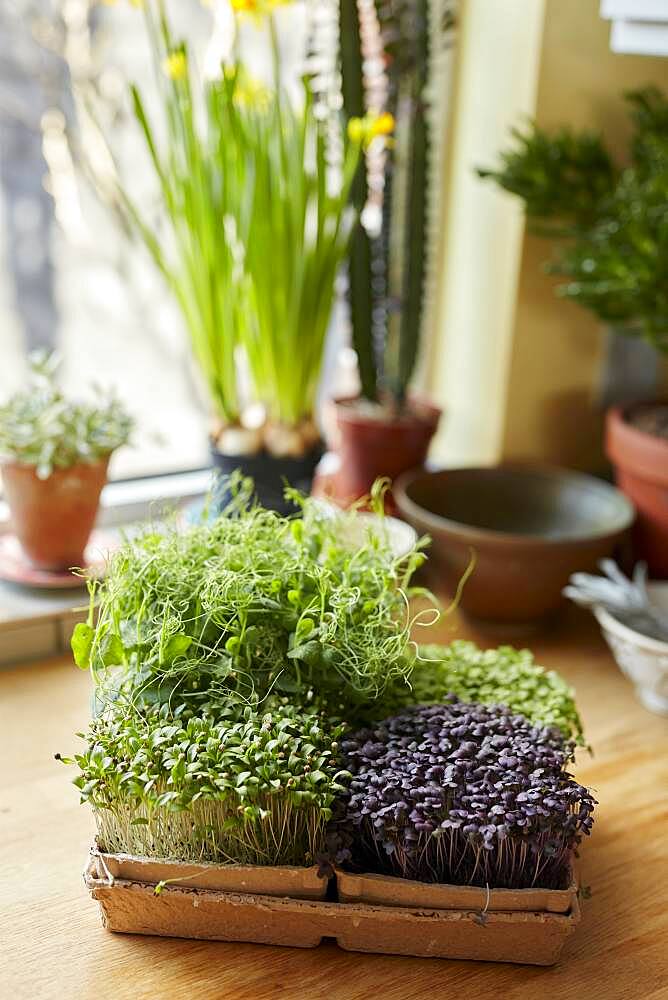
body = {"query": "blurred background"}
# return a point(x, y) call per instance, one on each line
point(518, 370)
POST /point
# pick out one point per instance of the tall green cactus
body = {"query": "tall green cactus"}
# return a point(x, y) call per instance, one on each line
point(415, 223)
point(360, 292)
point(388, 274)
point(405, 38)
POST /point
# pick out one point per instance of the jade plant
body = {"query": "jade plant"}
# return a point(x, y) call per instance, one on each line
point(503, 676)
point(608, 219)
point(387, 269)
point(41, 427)
point(253, 604)
point(241, 787)
point(461, 794)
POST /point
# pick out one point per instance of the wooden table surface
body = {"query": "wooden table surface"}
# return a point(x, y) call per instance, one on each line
point(52, 944)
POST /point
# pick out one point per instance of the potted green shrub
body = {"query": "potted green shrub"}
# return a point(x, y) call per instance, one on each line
point(54, 454)
point(611, 246)
point(258, 224)
point(387, 430)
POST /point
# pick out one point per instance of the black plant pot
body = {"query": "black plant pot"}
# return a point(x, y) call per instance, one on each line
point(270, 475)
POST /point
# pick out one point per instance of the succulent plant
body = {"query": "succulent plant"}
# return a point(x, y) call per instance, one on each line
point(462, 794)
point(40, 426)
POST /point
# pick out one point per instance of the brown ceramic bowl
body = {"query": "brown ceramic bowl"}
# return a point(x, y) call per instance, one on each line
point(527, 527)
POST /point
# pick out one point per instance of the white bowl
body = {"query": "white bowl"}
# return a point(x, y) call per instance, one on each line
point(643, 660)
point(357, 529)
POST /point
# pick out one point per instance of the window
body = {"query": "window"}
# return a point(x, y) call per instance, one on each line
point(70, 277)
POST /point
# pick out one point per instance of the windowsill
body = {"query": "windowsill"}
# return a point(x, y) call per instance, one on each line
point(36, 623)
point(135, 499)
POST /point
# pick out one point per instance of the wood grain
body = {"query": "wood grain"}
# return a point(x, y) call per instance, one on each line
point(53, 946)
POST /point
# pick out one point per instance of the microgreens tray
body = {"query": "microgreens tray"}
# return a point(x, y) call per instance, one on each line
point(387, 890)
point(269, 880)
point(528, 938)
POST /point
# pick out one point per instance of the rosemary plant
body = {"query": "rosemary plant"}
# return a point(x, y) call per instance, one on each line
point(461, 794)
point(255, 789)
point(610, 221)
point(252, 604)
point(39, 426)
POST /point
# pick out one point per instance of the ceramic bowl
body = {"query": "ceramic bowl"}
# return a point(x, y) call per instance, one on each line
point(643, 660)
point(398, 535)
point(523, 529)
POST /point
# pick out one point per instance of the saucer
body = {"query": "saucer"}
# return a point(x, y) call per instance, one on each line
point(16, 568)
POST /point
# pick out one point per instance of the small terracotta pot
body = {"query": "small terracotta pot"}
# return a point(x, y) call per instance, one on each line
point(372, 444)
point(53, 517)
point(641, 472)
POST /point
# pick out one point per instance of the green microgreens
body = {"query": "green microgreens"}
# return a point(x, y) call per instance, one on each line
point(252, 604)
point(247, 788)
point(39, 426)
point(503, 676)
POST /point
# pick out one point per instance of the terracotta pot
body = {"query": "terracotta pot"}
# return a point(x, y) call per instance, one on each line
point(525, 530)
point(372, 444)
point(53, 517)
point(641, 472)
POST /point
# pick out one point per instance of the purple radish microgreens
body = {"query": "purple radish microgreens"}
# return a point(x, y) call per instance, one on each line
point(461, 794)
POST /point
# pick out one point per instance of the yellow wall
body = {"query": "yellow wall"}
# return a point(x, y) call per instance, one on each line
point(556, 347)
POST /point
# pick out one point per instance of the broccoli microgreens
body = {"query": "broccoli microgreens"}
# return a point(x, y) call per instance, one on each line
point(252, 604)
point(503, 676)
point(462, 794)
point(252, 789)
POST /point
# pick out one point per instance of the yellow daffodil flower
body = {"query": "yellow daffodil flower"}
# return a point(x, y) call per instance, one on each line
point(249, 92)
point(176, 65)
point(382, 125)
point(372, 126)
point(257, 9)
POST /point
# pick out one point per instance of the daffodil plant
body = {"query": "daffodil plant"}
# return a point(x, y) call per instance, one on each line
point(260, 223)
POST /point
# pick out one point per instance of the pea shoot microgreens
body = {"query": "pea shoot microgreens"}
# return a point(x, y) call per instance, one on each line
point(252, 604)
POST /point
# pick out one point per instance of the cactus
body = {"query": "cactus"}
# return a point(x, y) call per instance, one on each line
point(388, 274)
point(360, 289)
